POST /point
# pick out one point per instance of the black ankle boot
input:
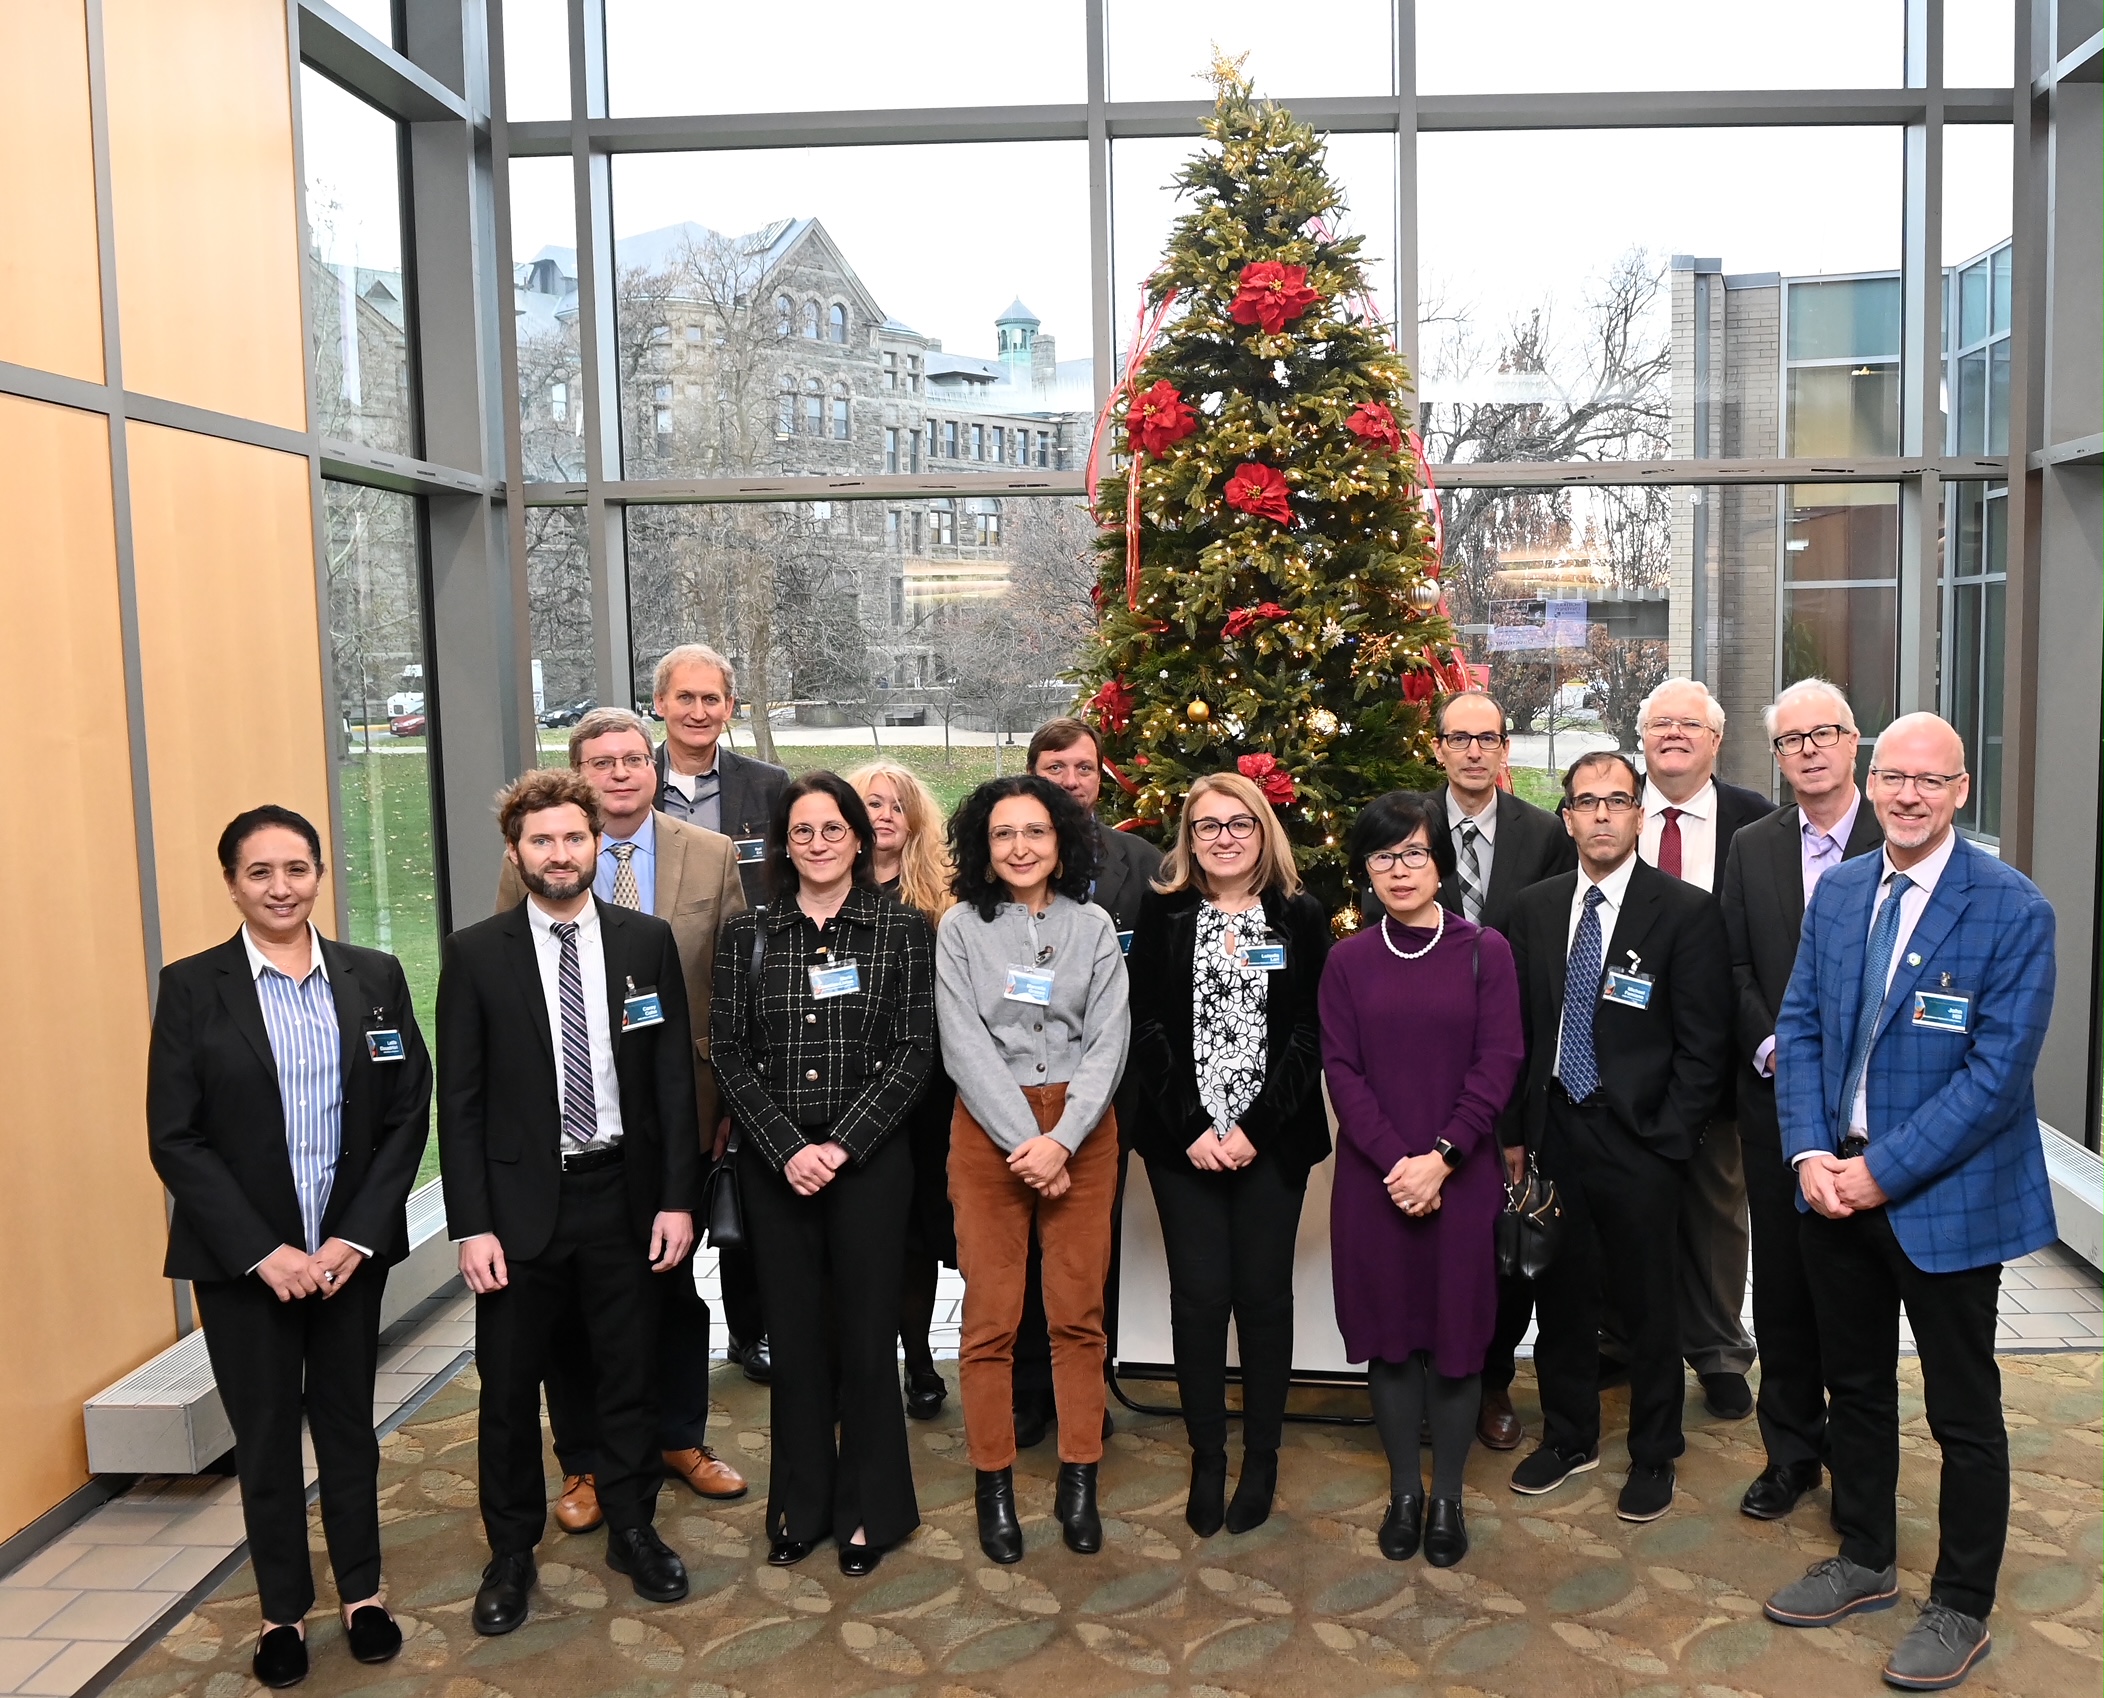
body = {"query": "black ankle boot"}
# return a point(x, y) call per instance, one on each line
point(1404, 1527)
point(1000, 1533)
point(1207, 1507)
point(1075, 1508)
point(1251, 1504)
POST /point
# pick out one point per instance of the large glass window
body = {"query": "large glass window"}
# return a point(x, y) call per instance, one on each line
point(1975, 598)
point(1840, 616)
point(544, 316)
point(536, 59)
point(1162, 52)
point(559, 604)
point(364, 327)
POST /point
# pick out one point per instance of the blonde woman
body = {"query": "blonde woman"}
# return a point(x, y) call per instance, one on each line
point(1226, 962)
point(913, 865)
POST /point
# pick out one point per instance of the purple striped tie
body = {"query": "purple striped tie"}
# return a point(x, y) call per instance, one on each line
point(580, 1116)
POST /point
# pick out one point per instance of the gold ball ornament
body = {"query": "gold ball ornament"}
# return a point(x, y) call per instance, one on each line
point(1322, 722)
point(1424, 594)
point(1198, 713)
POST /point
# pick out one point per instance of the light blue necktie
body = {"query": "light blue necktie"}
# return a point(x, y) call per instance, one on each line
point(1877, 968)
point(1580, 1068)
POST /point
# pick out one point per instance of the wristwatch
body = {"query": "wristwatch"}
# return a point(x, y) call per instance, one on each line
point(1446, 1152)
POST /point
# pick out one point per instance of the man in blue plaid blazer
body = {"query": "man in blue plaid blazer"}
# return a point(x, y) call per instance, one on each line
point(1904, 1051)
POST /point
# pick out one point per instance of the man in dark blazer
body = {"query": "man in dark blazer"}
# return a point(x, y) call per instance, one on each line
point(1690, 818)
point(1774, 865)
point(1502, 846)
point(1625, 996)
point(571, 1170)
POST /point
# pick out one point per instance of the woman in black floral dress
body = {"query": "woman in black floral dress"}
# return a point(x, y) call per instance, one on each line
point(1226, 960)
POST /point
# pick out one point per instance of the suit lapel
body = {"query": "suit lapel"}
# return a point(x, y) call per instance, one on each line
point(237, 990)
point(1953, 891)
point(614, 937)
point(1865, 835)
point(730, 792)
point(1110, 871)
point(671, 850)
point(1505, 852)
point(526, 974)
point(1633, 922)
point(1786, 866)
point(352, 1008)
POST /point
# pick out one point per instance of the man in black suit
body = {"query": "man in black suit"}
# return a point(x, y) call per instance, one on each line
point(1065, 752)
point(1690, 818)
point(1774, 865)
point(700, 782)
point(571, 1170)
point(1625, 997)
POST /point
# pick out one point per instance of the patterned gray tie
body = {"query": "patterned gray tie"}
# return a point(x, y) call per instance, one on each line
point(1471, 871)
point(580, 1110)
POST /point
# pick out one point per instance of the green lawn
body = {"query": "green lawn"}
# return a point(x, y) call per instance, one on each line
point(1539, 786)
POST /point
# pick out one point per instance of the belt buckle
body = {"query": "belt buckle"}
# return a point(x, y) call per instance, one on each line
point(1852, 1146)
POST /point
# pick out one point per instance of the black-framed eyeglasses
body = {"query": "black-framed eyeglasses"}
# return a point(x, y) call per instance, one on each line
point(832, 832)
point(1416, 857)
point(1819, 737)
point(1235, 825)
point(1929, 785)
point(1458, 741)
point(1614, 802)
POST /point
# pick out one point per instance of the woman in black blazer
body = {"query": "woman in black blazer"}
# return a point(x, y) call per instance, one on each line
point(1227, 1045)
point(288, 1096)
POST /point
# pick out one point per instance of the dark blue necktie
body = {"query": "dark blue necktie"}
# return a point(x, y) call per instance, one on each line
point(1580, 1068)
point(1877, 969)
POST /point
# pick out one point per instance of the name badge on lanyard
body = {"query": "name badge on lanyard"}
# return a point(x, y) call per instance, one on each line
point(750, 850)
point(843, 978)
point(1943, 1010)
point(1265, 957)
point(1028, 984)
point(1631, 989)
point(641, 1008)
point(384, 1043)
point(1125, 943)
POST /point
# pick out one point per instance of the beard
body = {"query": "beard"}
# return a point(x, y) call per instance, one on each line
point(555, 885)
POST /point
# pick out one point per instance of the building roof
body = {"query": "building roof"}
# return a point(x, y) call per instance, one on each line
point(1017, 313)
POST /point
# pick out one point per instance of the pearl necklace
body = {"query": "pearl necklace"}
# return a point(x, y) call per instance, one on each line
point(1438, 931)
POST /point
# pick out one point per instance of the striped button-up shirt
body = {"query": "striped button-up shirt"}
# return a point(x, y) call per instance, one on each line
point(307, 1045)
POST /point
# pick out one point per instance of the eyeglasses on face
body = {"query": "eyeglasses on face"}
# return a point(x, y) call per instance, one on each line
point(1819, 737)
point(832, 832)
point(1235, 825)
point(1690, 726)
point(1001, 836)
point(604, 764)
point(1927, 785)
point(1459, 741)
point(1614, 802)
point(1416, 857)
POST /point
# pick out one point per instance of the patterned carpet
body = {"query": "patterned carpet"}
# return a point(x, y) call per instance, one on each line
point(1556, 1597)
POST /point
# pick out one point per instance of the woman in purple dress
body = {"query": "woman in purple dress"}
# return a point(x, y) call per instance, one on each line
point(1420, 1044)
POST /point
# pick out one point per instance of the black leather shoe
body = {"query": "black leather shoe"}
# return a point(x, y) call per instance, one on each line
point(925, 1393)
point(787, 1553)
point(1775, 1493)
point(1206, 1508)
point(1033, 1420)
point(1000, 1533)
point(1404, 1527)
point(652, 1566)
point(373, 1635)
point(859, 1560)
point(1250, 1507)
point(1727, 1396)
point(759, 1361)
point(281, 1657)
point(1446, 1534)
point(1074, 1507)
point(500, 1602)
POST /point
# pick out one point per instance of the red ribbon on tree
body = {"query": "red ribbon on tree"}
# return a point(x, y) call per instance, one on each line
point(1259, 489)
point(1145, 329)
point(1269, 294)
point(1268, 776)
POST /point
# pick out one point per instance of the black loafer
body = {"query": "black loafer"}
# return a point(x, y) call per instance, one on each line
point(1775, 1493)
point(787, 1553)
point(1648, 1492)
point(858, 1560)
point(1000, 1531)
point(652, 1566)
point(1074, 1507)
point(1446, 1534)
point(1727, 1396)
point(373, 1634)
point(1405, 1525)
point(759, 1361)
point(281, 1657)
point(500, 1602)
point(925, 1394)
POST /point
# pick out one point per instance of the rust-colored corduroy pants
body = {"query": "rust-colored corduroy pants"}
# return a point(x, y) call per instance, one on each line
point(994, 1210)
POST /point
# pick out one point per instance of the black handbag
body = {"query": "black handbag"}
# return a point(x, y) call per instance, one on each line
point(1531, 1227)
point(722, 1205)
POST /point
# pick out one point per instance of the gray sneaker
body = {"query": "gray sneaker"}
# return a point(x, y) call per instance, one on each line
point(1832, 1589)
point(1939, 1650)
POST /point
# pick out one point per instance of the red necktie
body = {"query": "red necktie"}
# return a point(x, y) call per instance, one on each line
point(1669, 843)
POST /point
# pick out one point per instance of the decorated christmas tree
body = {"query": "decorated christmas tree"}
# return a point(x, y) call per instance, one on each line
point(1268, 598)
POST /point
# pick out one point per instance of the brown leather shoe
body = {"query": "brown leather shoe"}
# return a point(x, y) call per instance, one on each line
point(1497, 1426)
point(577, 1510)
point(701, 1470)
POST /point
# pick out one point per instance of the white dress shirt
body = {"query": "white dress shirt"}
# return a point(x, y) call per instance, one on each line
point(1613, 889)
point(1924, 874)
point(1486, 827)
point(1698, 832)
point(591, 974)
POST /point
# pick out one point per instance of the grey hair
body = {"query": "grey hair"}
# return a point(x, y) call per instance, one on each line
point(692, 654)
point(604, 722)
point(1800, 691)
point(1712, 709)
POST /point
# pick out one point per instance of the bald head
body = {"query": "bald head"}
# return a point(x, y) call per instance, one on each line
point(1917, 784)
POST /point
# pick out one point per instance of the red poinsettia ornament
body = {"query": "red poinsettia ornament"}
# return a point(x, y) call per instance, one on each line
point(1373, 423)
point(1260, 489)
point(1268, 776)
point(1244, 619)
point(1113, 706)
point(1420, 684)
point(1158, 419)
point(1269, 294)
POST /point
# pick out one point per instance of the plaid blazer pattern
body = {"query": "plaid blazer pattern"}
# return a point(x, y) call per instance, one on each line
point(796, 1070)
point(1952, 1119)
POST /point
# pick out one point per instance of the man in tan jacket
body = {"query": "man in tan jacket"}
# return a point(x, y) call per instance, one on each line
point(687, 877)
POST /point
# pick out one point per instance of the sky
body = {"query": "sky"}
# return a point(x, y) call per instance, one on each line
point(946, 236)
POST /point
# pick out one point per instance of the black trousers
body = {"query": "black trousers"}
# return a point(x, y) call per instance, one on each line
point(736, 1278)
point(599, 1263)
point(836, 1258)
point(1515, 1314)
point(1621, 1213)
point(681, 1365)
point(1861, 1278)
point(1229, 1239)
point(274, 1362)
point(1792, 1402)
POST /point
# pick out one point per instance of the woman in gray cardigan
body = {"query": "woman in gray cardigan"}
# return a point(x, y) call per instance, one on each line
point(1030, 997)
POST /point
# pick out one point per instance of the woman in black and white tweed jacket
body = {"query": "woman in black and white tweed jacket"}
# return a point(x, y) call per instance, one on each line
point(822, 1043)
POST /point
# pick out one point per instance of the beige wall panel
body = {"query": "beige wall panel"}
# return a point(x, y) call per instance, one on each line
point(50, 261)
point(81, 1222)
point(230, 654)
point(207, 210)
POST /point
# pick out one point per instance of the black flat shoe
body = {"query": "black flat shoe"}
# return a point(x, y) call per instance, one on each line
point(1074, 1507)
point(925, 1394)
point(859, 1560)
point(373, 1635)
point(1000, 1532)
point(281, 1657)
point(1446, 1534)
point(1206, 1508)
point(500, 1602)
point(787, 1553)
point(1404, 1527)
point(1775, 1493)
point(1250, 1507)
point(652, 1566)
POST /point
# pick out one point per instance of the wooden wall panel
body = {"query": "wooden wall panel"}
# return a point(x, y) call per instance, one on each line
point(207, 205)
point(230, 653)
point(50, 258)
point(81, 1221)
